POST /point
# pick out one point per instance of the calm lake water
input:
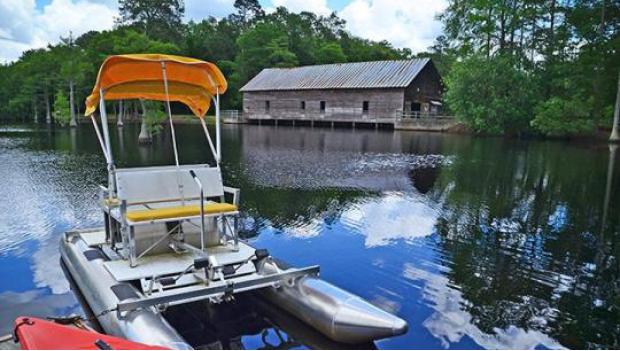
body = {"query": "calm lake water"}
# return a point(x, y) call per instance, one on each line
point(476, 242)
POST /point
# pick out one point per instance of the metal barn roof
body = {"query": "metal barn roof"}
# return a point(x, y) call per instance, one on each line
point(358, 75)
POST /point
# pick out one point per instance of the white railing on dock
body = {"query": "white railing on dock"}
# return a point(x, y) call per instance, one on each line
point(339, 115)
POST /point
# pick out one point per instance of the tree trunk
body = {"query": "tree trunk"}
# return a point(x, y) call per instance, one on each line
point(119, 117)
point(73, 122)
point(145, 136)
point(551, 29)
point(48, 109)
point(489, 33)
point(615, 134)
point(35, 110)
point(502, 28)
point(598, 108)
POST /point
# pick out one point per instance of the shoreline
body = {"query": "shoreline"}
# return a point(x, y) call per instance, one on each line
point(458, 128)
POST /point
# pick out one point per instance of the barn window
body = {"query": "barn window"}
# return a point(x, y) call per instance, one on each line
point(302, 105)
point(365, 105)
point(267, 105)
point(322, 106)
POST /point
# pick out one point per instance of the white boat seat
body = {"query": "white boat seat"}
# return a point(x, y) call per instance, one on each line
point(149, 199)
point(167, 183)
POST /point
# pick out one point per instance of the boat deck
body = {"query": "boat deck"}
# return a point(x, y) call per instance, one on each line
point(168, 263)
point(172, 263)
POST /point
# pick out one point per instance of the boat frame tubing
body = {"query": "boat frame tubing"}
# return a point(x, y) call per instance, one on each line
point(214, 291)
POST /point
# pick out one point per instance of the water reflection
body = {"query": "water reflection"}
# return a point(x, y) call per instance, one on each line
point(476, 242)
point(451, 322)
point(527, 245)
point(321, 158)
point(391, 218)
point(247, 323)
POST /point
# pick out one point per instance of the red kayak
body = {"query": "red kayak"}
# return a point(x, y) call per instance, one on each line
point(39, 334)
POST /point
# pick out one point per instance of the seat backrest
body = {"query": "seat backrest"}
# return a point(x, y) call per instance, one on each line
point(154, 184)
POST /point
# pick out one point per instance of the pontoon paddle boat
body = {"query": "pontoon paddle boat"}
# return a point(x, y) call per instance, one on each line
point(171, 237)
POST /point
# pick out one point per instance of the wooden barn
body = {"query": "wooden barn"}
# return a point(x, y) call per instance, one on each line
point(374, 92)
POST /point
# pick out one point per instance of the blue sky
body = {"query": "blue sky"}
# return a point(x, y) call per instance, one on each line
point(26, 24)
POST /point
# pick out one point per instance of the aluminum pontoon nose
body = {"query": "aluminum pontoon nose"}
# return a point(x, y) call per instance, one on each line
point(340, 315)
point(358, 318)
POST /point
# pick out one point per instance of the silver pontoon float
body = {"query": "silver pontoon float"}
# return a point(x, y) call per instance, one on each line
point(171, 238)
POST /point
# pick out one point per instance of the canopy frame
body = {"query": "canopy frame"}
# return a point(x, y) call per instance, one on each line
point(105, 142)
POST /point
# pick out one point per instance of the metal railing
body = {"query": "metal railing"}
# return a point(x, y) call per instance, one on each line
point(317, 115)
point(336, 114)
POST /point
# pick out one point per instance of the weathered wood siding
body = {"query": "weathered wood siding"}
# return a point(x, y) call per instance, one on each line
point(425, 87)
point(340, 104)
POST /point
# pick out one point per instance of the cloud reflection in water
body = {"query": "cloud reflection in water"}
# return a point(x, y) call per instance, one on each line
point(391, 217)
point(450, 322)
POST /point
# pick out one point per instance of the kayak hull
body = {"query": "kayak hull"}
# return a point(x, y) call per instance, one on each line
point(39, 334)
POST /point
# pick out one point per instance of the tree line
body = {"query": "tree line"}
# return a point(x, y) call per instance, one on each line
point(531, 66)
point(510, 66)
point(52, 82)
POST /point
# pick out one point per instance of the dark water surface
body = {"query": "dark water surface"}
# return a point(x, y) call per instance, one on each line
point(476, 242)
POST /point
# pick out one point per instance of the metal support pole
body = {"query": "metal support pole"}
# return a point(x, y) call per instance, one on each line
point(218, 141)
point(104, 125)
point(202, 209)
point(204, 127)
point(106, 137)
point(103, 147)
point(169, 112)
point(174, 138)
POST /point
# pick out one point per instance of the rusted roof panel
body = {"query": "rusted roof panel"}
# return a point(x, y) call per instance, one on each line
point(358, 75)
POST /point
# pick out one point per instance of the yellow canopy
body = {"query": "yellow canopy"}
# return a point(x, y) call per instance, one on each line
point(190, 81)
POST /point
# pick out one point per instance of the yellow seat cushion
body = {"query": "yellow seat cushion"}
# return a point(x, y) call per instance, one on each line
point(178, 211)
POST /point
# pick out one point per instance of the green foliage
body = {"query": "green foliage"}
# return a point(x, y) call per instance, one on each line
point(561, 117)
point(491, 96)
point(62, 112)
point(247, 11)
point(330, 53)
point(159, 19)
point(280, 56)
point(564, 47)
point(265, 45)
point(154, 116)
point(211, 40)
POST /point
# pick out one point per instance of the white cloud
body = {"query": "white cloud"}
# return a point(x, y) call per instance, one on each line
point(23, 26)
point(12, 15)
point(404, 23)
point(317, 6)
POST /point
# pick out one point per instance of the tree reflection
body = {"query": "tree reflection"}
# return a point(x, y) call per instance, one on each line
point(529, 244)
